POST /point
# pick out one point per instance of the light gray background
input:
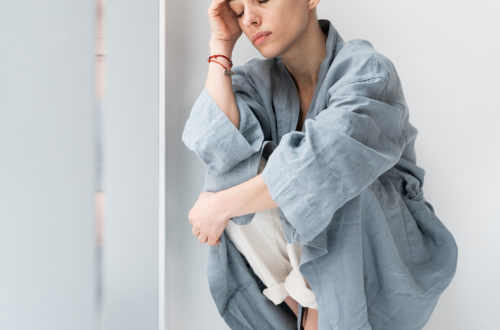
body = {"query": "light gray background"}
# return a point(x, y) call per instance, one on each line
point(47, 166)
point(47, 220)
point(446, 53)
point(131, 104)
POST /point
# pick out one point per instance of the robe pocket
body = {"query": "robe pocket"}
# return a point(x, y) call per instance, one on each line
point(415, 214)
point(405, 231)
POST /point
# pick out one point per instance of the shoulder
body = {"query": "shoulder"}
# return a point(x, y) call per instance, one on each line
point(358, 61)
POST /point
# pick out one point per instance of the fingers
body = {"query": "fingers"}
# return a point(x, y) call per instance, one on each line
point(216, 4)
point(203, 238)
point(213, 243)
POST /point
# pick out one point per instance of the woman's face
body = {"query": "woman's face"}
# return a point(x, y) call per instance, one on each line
point(283, 21)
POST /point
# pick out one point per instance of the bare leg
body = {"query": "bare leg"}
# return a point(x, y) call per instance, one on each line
point(294, 306)
point(311, 322)
point(310, 319)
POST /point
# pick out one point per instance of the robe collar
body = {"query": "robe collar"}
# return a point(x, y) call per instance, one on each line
point(290, 95)
point(287, 123)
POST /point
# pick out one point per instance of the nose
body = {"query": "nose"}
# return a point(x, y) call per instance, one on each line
point(251, 15)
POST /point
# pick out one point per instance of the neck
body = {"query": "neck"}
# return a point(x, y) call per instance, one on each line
point(304, 58)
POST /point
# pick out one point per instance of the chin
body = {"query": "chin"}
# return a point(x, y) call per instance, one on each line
point(268, 53)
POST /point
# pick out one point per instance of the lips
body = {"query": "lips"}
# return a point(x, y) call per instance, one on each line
point(260, 35)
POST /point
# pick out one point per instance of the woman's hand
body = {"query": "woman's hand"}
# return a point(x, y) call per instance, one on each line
point(223, 23)
point(208, 218)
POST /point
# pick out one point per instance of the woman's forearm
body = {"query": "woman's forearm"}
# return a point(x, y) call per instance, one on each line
point(247, 197)
point(219, 85)
point(250, 196)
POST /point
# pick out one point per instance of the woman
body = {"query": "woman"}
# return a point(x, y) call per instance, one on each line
point(329, 121)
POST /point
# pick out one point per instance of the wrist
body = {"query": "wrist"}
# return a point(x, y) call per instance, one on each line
point(221, 48)
point(223, 202)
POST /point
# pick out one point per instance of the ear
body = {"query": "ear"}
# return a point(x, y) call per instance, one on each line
point(311, 4)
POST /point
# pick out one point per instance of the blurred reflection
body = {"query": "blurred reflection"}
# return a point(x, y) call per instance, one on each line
point(98, 129)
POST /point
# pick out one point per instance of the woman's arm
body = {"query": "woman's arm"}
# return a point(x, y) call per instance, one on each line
point(225, 31)
point(219, 85)
point(247, 197)
point(213, 210)
point(225, 125)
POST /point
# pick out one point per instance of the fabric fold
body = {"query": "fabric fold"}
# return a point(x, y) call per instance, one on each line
point(214, 138)
point(296, 288)
point(343, 150)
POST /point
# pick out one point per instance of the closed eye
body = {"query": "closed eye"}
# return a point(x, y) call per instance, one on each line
point(261, 1)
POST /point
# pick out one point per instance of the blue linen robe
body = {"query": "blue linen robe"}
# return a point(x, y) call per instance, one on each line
point(347, 186)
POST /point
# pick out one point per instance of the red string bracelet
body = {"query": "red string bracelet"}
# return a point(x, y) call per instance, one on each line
point(227, 70)
point(227, 58)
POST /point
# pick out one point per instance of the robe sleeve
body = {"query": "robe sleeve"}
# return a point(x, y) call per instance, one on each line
point(214, 138)
point(346, 147)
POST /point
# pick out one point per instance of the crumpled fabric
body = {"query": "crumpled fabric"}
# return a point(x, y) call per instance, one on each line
point(272, 259)
point(374, 251)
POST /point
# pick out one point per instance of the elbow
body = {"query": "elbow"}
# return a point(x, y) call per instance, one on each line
point(208, 155)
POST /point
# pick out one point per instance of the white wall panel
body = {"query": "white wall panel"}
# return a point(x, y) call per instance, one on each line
point(47, 221)
point(131, 130)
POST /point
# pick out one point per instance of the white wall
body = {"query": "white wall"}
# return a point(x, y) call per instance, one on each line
point(47, 219)
point(48, 238)
point(131, 105)
point(446, 54)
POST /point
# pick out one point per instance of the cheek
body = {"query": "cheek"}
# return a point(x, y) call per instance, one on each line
point(245, 32)
point(295, 24)
point(293, 14)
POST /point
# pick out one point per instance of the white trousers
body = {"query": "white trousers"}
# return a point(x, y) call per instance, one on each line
point(272, 259)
